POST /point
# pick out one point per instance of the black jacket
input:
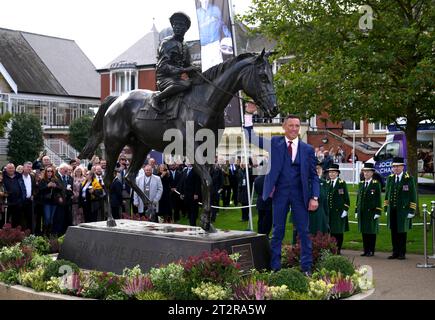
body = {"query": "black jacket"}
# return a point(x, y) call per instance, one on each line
point(258, 187)
point(116, 193)
point(190, 184)
point(15, 188)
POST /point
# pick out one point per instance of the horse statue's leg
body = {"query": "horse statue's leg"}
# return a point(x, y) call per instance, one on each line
point(206, 186)
point(139, 153)
point(112, 151)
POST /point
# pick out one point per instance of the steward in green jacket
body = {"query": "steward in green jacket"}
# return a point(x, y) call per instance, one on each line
point(368, 209)
point(319, 220)
point(400, 205)
point(338, 205)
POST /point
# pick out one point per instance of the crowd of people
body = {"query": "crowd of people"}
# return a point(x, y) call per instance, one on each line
point(47, 199)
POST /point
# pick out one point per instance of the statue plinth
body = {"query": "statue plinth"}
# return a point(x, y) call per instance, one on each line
point(95, 246)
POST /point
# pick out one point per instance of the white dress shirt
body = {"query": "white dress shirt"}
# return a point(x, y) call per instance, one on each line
point(295, 144)
point(28, 183)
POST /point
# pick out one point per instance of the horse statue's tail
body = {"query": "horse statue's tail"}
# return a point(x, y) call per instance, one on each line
point(96, 134)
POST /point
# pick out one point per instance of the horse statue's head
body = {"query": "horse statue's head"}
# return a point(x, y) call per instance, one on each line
point(258, 84)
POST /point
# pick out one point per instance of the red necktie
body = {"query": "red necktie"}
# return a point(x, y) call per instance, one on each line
point(290, 151)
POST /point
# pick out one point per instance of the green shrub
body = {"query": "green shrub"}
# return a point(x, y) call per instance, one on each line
point(292, 295)
point(117, 296)
point(292, 278)
point(40, 261)
point(339, 264)
point(170, 281)
point(55, 268)
point(151, 295)
point(39, 244)
point(9, 276)
point(33, 279)
point(101, 285)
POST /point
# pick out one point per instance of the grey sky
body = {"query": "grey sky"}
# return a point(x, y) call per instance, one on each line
point(103, 29)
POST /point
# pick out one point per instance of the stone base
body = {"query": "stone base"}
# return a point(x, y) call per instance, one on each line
point(95, 246)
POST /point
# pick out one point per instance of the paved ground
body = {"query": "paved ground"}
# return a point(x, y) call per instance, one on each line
point(398, 279)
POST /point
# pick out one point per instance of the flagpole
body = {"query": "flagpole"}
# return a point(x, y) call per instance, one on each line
point(245, 147)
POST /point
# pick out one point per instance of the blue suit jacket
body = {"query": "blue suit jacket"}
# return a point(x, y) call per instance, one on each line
point(277, 148)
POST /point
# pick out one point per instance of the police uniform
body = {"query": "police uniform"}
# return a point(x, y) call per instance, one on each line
point(368, 210)
point(400, 205)
point(338, 205)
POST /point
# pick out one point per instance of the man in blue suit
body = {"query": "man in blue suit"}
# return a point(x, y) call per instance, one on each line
point(291, 181)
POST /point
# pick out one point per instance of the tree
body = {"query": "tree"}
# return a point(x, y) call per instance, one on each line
point(4, 119)
point(351, 66)
point(25, 138)
point(79, 131)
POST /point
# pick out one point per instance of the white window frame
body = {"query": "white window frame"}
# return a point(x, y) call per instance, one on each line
point(381, 125)
point(361, 124)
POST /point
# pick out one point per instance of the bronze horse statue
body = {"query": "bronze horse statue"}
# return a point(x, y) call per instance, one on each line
point(117, 123)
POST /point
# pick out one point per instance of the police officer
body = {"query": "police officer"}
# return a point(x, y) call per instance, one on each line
point(400, 205)
point(338, 205)
point(368, 209)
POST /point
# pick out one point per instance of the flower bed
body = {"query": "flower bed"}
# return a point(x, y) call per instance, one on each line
point(210, 276)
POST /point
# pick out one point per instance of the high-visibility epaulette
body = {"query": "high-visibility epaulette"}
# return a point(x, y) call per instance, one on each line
point(379, 209)
point(347, 206)
point(391, 175)
point(413, 205)
point(386, 202)
point(406, 175)
point(374, 181)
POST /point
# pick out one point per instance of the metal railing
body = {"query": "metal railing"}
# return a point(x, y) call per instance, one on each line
point(61, 148)
point(350, 174)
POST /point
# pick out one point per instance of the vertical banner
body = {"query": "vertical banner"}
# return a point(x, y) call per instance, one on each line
point(216, 40)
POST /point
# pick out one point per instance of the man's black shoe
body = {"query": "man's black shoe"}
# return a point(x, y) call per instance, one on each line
point(363, 254)
point(392, 257)
point(401, 257)
point(370, 254)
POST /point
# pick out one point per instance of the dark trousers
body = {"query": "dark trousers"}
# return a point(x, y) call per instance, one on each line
point(38, 213)
point(235, 189)
point(369, 242)
point(176, 205)
point(27, 215)
point(15, 215)
point(282, 200)
point(339, 237)
point(59, 220)
point(68, 220)
point(226, 195)
point(245, 213)
point(88, 212)
point(116, 212)
point(192, 211)
point(398, 239)
point(264, 222)
point(214, 201)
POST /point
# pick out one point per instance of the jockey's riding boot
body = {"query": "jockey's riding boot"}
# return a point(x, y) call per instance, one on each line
point(155, 103)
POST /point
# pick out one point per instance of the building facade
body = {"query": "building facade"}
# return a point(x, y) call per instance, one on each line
point(46, 76)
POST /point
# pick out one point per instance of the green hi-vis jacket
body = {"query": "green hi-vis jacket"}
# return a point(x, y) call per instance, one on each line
point(338, 201)
point(319, 220)
point(402, 196)
point(368, 204)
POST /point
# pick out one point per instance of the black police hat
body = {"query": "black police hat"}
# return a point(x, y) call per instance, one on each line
point(398, 161)
point(368, 167)
point(180, 15)
point(334, 167)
